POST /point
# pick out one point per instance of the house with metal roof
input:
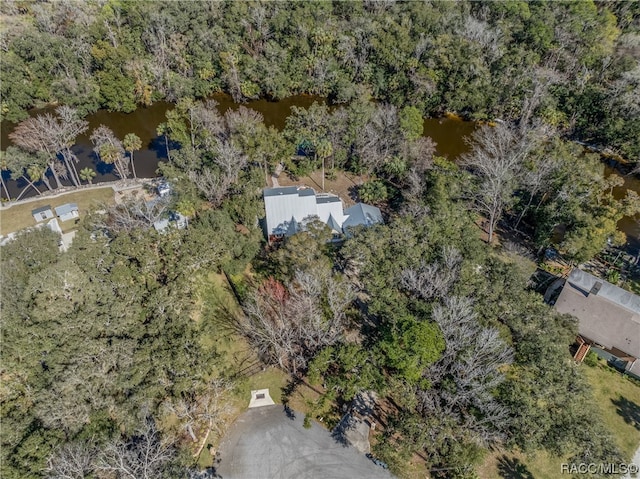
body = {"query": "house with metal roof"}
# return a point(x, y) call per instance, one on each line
point(608, 319)
point(173, 220)
point(42, 214)
point(289, 208)
point(67, 211)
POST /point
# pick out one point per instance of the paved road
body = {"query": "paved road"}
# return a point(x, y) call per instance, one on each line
point(264, 443)
point(635, 460)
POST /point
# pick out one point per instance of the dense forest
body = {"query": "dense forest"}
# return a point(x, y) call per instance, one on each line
point(572, 64)
point(105, 370)
point(103, 366)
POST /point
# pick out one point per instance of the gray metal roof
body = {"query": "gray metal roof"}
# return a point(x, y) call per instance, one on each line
point(586, 282)
point(362, 214)
point(288, 205)
point(66, 208)
point(607, 315)
point(322, 198)
point(334, 225)
point(42, 209)
point(288, 190)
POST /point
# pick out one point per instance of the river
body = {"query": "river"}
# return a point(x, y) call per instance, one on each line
point(448, 133)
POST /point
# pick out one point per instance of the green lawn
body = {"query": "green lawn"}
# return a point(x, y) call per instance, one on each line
point(618, 399)
point(19, 216)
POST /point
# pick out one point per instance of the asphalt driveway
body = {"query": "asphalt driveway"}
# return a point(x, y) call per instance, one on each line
point(266, 443)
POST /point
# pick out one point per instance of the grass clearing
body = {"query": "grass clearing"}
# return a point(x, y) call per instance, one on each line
point(510, 465)
point(618, 400)
point(218, 305)
point(19, 217)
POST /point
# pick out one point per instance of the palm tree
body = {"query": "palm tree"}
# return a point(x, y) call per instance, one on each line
point(163, 130)
point(87, 174)
point(132, 142)
point(324, 150)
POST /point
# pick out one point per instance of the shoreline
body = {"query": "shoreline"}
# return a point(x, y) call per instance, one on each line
point(117, 186)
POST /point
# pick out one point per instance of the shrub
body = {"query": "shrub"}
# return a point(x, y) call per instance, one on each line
point(591, 359)
point(373, 191)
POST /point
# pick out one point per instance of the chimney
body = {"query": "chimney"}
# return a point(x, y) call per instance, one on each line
point(595, 288)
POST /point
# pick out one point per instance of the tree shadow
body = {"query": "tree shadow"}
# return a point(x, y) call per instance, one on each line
point(512, 468)
point(290, 413)
point(158, 146)
point(353, 193)
point(289, 389)
point(629, 411)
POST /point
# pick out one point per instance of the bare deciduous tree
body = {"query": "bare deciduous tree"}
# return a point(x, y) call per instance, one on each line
point(378, 142)
point(541, 78)
point(212, 184)
point(53, 136)
point(203, 409)
point(429, 281)
point(141, 457)
point(70, 127)
point(230, 159)
point(464, 380)
point(72, 461)
point(288, 325)
point(131, 214)
point(496, 159)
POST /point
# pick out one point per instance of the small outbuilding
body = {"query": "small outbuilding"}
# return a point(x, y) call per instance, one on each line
point(42, 214)
point(164, 189)
point(67, 211)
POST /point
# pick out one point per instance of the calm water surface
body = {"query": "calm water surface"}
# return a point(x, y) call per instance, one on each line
point(448, 133)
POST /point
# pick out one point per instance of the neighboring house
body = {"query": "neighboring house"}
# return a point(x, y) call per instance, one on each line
point(175, 220)
point(42, 214)
point(288, 208)
point(67, 211)
point(608, 319)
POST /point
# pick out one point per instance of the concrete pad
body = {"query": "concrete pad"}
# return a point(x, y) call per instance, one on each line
point(260, 397)
point(67, 239)
point(355, 431)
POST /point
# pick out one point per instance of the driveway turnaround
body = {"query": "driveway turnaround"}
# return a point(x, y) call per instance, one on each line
point(270, 443)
